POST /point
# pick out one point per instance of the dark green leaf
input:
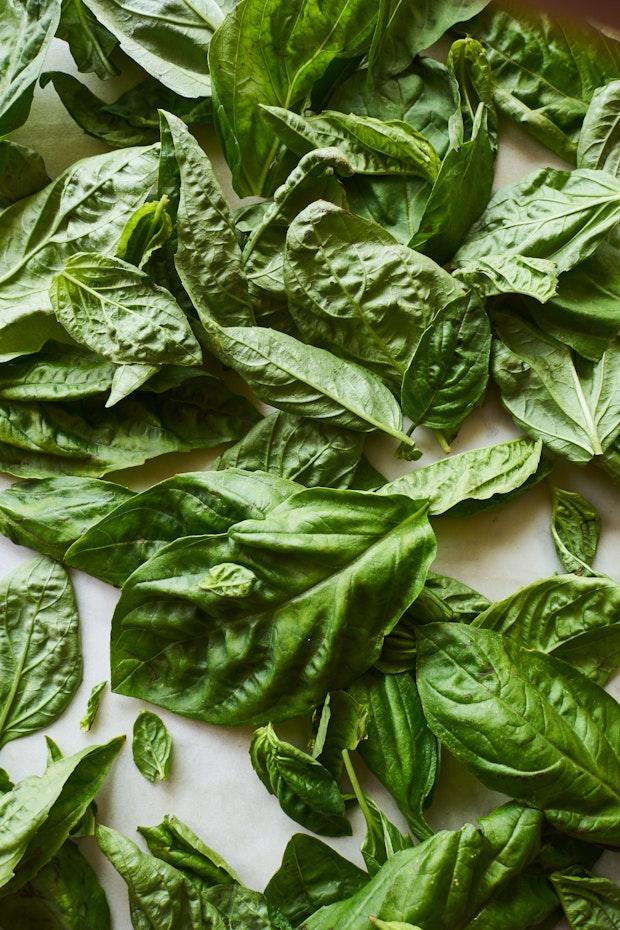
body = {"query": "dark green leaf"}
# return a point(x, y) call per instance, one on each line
point(340, 725)
point(176, 844)
point(151, 746)
point(22, 172)
point(90, 43)
point(576, 527)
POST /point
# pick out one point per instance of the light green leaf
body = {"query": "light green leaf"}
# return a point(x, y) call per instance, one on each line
point(599, 140)
point(58, 372)
point(510, 274)
point(90, 43)
point(588, 901)
point(92, 708)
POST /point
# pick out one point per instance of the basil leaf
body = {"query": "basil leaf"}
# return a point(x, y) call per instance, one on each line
point(57, 372)
point(85, 207)
point(240, 907)
point(576, 527)
point(599, 140)
point(63, 895)
point(307, 792)
point(90, 43)
point(511, 274)
point(49, 514)
point(26, 30)
point(148, 229)
point(341, 725)
point(479, 475)
point(290, 447)
point(575, 619)
point(174, 843)
point(370, 145)
point(83, 438)
point(312, 875)
point(526, 724)
point(40, 649)
point(356, 291)
point(39, 812)
point(184, 505)
point(92, 708)
point(22, 172)
point(308, 381)
point(302, 554)
point(151, 746)
point(395, 719)
point(448, 373)
point(571, 404)
point(286, 56)
point(588, 900)
point(168, 39)
point(159, 895)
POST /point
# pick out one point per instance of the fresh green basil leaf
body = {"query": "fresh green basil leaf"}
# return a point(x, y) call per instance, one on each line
point(588, 901)
point(240, 907)
point(49, 514)
point(168, 39)
point(527, 903)
point(159, 895)
point(90, 43)
point(83, 438)
point(22, 172)
point(545, 70)
point(573, 405)
point(479, 475)
point(576, 619)
point(357, 292)
point(305, 553)
point(395, 719)
point(63, 895)
point(510, 274)
point(340, 725)
point(366, 477)
point(113, 309)
point(151, 746)
point(92, 708)
point(599, 140)
point(184, 505)
point(307, 792)
point(558, 215)
point(26, 29)
point(576, 527)
point(448, 373)
point(86, 207)
point(312, 875)
point(285, 55)
point(147, 230)
point(40, 811)
point(58, 372)
point(309, 381)
point(370, 145)
point(290, 447)
point(526, 723)
point(40, 650)
point(174, 843)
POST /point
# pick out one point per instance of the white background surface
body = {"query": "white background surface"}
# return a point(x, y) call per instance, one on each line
point(212, 785)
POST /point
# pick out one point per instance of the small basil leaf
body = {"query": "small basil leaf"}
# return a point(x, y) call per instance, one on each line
point(588, 900)
point(341, 725)
point(151, 746)
point(174, 843)
point(599, 140)
point(576, 527)
point(22, 172)
point(92, 708)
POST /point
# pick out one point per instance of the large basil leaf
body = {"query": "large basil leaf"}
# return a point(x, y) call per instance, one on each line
point(553, 214)
point(395, 719)
point(573, 405)
point(288, 610)
point(309, 381)
point(480, 475)
point(588, 900)
point(356, 291)
point(40, 649)
point(50, 514)
point(168, 39)
point(112, 308)
point(599, 140)
point(306, 790)
point(86, 208)
point(511, 274)
point(22, 172)
point(184, 505)
point(57, 372)
point(545, 70)
point(576, 527)
point(39, 812)
point(312, 875)
point(151, 746)
point(445, 881)
point(176, 844)
point(159, 895)
point(63, 895)
point(402, 31)
point(90, 43)
point(286, 51)
point(208, 257)
point(302, 450)
point(26, 29)
point(576, 619)
point(83, 438)
point(526, 723)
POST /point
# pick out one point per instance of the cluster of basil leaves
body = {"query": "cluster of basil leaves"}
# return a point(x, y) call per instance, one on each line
point(376, 280)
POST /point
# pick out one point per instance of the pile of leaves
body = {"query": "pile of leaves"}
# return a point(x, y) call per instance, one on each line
point(372, 285)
